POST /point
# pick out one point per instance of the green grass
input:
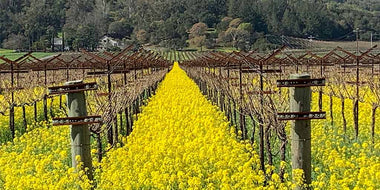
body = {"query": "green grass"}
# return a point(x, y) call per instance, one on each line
point(12, 55)
point(226, 49)
point(222, 49)
point(6, 51)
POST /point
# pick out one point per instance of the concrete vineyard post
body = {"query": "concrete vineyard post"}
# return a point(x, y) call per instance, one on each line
point(80, 134)
point(300, 98)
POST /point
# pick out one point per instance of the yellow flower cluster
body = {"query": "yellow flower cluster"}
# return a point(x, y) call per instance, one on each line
point(181, 141)
point(24, 96)
point(40, 159)
point(339, 160)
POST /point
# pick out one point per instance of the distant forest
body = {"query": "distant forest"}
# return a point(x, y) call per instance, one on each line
point(32, 24)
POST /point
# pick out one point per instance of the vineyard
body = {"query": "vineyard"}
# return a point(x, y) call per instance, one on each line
point(189, 120)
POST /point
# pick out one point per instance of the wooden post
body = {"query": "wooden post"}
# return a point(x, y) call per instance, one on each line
point(24, 118)
point(135, 70)
point(261, 118)
point(35, 111)
point(99, 146)
point(45, 74)
point(60, 101)
point(137, 102)
point(300, 98)
point(149, 92)
point(109, 86)
point(122, 131)
point(115, 130)
point(221, 100)
point(127, 120)
point(235, 117)
point(125, 73)
point(132, 109)
point(80, 134)
point(229, 118)
point(241, 116)
point(11, 110)
point(12, 120)
point(374, 107)
point(331, 110)
point(51, 107)
point(320, 89)
point(45, 107)
point(356, 100)
point(83, 72)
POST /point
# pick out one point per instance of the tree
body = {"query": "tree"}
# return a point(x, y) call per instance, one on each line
point(87, 37)
point(246, 26)
point(222, 38)
point(252, 12)
point(198, 29)
point(198, 41)
point(209, 19)
point(40, 19)
point(238, 37)
point(167, 22)
point(197, 34)
point(77, 12)
point(16, 41)
point(223, 24)
point(173, 36)
point(262, 44)
point(233, 7)
point(84, 24)
point(142, 36)
point(235, 23)
point(120, 29)
point(273, 11)
point(291, 24)
point(4, 24)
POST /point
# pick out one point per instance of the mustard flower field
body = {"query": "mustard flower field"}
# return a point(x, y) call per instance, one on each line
point(182, 141)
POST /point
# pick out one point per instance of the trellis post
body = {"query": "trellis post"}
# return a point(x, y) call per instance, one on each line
point(78, 121)
point(300, 100)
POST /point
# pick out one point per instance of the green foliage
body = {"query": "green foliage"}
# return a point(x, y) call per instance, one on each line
point(167, 23)
point(235, 23)
point(223, 24)
point(198, 29)
point(40, 45)
point(197, 41)
point(113, 49)
point(246, 26)
point(141, 36)
point(120, 29)
point(238, 37)
point(198, 35)
point(15, 41)
point(263, 45)
point(86, 36)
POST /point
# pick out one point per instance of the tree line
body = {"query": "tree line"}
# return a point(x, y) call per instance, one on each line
point(33, 24)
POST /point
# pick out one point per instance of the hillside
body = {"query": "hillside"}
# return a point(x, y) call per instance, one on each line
point(32, 24)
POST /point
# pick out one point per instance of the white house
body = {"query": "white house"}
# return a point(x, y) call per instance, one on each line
point(58, 44)
point(107, 42)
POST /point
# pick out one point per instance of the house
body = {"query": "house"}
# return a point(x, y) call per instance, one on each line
point(58, 44)
point(107, 42)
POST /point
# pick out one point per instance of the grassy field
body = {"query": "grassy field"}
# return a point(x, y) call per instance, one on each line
point(348, 45)
point(12, 55)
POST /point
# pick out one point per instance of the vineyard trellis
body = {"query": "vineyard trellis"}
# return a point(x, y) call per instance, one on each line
point(243, 85)
point(126, 79)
